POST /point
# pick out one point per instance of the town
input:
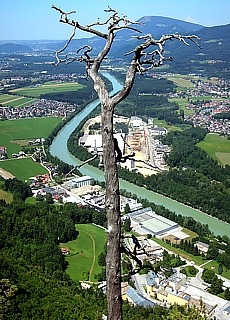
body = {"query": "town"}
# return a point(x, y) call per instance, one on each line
point(146, 154)
point(204, 112)
point(151, 288)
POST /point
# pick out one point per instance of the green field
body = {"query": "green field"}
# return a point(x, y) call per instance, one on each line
point(23, 169)
point(25, 129)
point(84, 252)
point(48, 87)
point(181, 82)
point(6, 196)
point(218, 147)
point(197, 259)
point(162, 123)
point(182, 102)
point(213, 265)
point(15, 101)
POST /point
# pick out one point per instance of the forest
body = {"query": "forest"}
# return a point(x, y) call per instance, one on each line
point(146, 100)
point(189, 187)
point(33, 281)
point(194, 177)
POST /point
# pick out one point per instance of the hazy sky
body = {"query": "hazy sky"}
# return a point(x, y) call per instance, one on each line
point(34, 19)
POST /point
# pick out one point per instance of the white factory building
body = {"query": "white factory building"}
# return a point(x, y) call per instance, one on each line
point(93, 142)
point(145, 221)
point(79, 182)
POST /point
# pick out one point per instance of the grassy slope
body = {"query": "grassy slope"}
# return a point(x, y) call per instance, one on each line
point(6, 196)
point(23, 168)
point(218, 147)
point(81, 257)
point(25, 129)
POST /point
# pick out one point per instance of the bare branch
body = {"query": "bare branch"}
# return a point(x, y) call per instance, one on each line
point(133, 254)
point(63, 49)
point(63, 14)
point(87, 161)
point(76, 24)
point(86, 53)
point(82, 164)
point(113, 23)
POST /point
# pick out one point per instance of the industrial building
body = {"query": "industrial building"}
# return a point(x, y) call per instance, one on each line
point(93, 142)
point(145, 221)
point(79, 182)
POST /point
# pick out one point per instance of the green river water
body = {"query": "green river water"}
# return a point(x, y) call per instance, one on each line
point(59, 149)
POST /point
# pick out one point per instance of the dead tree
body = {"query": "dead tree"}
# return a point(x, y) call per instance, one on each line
point(148, 54)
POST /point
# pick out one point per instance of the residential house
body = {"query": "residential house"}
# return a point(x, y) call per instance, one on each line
point(202, 247)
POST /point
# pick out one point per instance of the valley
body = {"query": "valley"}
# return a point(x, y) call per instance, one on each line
point(175, 121)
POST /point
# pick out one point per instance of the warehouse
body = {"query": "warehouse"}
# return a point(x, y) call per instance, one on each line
point(145, 221)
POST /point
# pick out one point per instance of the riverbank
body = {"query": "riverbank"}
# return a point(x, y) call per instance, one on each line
point(59, 149)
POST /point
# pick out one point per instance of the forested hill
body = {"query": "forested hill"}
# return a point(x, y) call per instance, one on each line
point(15, 47)
point(211, 59)
point(33, 281)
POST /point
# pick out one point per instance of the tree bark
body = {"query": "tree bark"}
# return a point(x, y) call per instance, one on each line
point(112, 201)
point(142, 61)
point(112, 204)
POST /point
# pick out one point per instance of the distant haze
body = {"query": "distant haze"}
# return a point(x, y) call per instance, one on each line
point(28, 20)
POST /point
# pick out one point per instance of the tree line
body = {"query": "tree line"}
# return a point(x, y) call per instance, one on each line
point(187, 222)
point(33, 281)
point(194, 177)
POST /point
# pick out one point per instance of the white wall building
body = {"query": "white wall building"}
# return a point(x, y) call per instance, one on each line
point(80, 182)
point(93, 142)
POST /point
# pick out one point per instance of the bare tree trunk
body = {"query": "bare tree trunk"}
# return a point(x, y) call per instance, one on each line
point(112, 203)
point(144, 58)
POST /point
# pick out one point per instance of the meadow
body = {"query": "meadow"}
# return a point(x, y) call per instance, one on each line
point(23, 168)
point(84, 251)
point(15, 101)
point(12, 131)
point(182, 82)
point(48, 87)
point(213, 265)
point(6, 196)
point(218, 147)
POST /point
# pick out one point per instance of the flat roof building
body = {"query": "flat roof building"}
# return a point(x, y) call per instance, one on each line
point(79, 182)
point(93, 142)
point(145, 221)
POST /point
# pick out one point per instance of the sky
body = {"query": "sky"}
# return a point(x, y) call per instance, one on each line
point(36, 20)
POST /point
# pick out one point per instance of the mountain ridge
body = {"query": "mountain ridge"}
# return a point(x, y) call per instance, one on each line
point(215, 42)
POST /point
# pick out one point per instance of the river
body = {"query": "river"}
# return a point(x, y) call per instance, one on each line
point(59, 149)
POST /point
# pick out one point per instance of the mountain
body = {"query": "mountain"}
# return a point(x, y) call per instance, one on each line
point(124, 39)
point(15, 48)
point(157, 26)
point(215, 42)
point(213, 58)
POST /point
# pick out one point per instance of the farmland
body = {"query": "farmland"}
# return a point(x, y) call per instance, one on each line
point(25, 96)
point(84, 252)
point(14, 134)
point(25, 129)
point(7, 100)
point(17, 132)
point(48, 87)
point(182, 82)
point(23, 168)
point(218, 147)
